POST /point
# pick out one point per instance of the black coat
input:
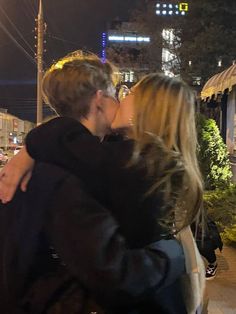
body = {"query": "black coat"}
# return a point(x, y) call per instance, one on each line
point(103, 169)
point(59, 246)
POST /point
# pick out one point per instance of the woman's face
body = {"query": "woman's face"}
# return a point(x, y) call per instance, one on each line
point(125, 113)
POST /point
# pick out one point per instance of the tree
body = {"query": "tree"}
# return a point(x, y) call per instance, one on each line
point(213, 155)
point(205, 36)
point(208, 38)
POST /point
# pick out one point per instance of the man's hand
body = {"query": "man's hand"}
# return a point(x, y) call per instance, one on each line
point(16, 172)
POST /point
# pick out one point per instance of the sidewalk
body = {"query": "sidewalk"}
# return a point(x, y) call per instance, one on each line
point(222, 289)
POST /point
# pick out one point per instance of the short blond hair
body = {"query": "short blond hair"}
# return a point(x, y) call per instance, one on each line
point(69, 84)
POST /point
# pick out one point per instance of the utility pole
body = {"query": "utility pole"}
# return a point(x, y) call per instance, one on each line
point(40, 34)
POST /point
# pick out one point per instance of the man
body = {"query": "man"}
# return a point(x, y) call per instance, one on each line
point(89, 256)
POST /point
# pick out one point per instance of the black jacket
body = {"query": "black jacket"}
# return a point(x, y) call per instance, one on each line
point(103, 169)
point(58, 242)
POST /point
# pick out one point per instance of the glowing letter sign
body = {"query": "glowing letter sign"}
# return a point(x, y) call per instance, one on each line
point(170, 9)
point(183, 6)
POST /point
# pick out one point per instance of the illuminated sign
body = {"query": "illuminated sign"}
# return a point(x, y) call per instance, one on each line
point(121, 38)
point(183, 6)
point(170, 9)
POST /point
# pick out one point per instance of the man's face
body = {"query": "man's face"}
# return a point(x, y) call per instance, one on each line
point(111, 105)
point(107, 107)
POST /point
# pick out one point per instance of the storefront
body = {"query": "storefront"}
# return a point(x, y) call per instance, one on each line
point(219, 96)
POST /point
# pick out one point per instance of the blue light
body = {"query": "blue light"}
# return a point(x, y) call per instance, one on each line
point(164, 5)
point(170, 6)
point(104, 37)
point(170, 12)
point(177, 12)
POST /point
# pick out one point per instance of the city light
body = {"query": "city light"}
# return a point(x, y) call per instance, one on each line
point(116, 38)
point(104, 37)
point(167, 9)
point(183, 6)
point(121, 38)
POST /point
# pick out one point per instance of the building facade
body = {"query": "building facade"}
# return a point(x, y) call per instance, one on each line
point(123, 45)
point(12, 130)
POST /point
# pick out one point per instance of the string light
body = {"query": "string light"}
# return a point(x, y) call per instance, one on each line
point(104, 37)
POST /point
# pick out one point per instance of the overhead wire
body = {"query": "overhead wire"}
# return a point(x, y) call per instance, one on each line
point(33, 8)
point(62, 39)
point(27, 105)
point(17, 43)
point(54, 27)
point(30, 10)
point(16, 29)
point(8, 43)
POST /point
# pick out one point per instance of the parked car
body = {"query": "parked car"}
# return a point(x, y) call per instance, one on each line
point(3, 157)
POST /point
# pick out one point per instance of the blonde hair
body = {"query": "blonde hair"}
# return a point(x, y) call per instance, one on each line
point(69, 84)
point(165, 135)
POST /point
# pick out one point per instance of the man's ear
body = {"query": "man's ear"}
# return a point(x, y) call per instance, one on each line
point(98, 100)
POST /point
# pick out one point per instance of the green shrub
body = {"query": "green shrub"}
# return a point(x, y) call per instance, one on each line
point(229, 234)
point(213, 155)
point(221, 207)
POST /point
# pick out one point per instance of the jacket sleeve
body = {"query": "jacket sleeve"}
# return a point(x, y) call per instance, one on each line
point(87, 239)
point(63, 141)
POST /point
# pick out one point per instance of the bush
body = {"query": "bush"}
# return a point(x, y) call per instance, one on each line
point(213, 155)
point(221, 207)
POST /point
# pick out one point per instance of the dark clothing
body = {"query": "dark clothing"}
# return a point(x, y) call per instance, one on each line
point(103, 168)
point(209, 241)
point(90, 254)
point(208, 252)
point(121, 189)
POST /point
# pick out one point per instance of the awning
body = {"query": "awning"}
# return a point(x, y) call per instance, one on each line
point(220, 82)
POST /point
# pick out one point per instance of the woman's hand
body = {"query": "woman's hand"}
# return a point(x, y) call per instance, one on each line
point(17, 171)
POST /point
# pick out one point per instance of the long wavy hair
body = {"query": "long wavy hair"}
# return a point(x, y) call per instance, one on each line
point(166, 141)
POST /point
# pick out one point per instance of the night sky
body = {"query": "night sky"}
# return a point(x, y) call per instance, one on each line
point(71, 25)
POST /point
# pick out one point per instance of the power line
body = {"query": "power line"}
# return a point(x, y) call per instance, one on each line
point(32, 8)
point(8, 43)
point(17, 44)
point(16, 29)
point(62, 39)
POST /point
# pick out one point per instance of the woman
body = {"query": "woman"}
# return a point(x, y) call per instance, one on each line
point(151, 180)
